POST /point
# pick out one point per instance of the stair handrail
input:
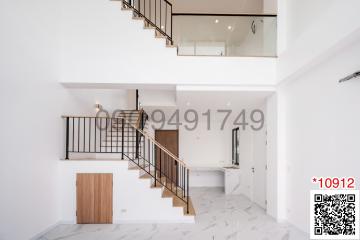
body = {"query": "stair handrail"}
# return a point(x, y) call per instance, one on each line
point(162, 28)
point(159, 145)
point(139, 130)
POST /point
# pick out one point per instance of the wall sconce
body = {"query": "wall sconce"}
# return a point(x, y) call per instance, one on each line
point(98, 106)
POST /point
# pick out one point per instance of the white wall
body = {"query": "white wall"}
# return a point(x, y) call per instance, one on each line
point(31, 127)
point(310, 31)
point(109, 99)
point(320, 123)
point(271, 157)
point(134, 201)
point(102, 44)
point(205, 148)
point(157, 98)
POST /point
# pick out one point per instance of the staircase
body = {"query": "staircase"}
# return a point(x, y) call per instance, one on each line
point(156, 14)
point(125, 137)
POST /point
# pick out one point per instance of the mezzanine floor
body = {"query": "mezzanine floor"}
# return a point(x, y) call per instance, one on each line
point(219, 217)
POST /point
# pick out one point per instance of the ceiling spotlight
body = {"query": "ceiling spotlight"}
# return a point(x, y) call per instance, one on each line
point(229, 27)
point(216, 20)
point(162, 27)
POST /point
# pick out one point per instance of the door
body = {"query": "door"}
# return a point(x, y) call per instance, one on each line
point(94, 198)
point(170, 140)
point(259, 168)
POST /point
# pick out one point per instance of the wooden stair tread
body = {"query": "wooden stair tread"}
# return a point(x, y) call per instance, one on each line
point(177, 202)
point(158, 185)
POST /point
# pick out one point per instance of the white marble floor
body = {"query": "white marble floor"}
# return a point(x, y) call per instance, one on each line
point(219, 217)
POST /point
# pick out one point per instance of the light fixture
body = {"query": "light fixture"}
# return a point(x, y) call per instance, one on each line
point(187, 103)
point(98, 106)
point(162, 27)
point(229, 27)
point(216, 20)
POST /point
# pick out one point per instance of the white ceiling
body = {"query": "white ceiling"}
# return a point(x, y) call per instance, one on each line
point(221, 99)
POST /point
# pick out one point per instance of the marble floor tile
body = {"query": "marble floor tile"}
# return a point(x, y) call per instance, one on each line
point(219, 217)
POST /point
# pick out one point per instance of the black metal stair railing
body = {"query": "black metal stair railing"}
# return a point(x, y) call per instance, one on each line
point(156, 13)
point(86, 135)
point(163, 167)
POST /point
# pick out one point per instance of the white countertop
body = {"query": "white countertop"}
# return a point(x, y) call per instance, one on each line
point(212, 168)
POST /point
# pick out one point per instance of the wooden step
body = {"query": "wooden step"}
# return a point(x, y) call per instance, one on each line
point(146, 176)
point(177, 202)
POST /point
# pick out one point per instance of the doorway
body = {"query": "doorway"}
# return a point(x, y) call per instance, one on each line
point(94, 198)
point(170, 140)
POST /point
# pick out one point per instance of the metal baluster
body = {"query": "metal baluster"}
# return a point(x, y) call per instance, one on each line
point(187, 195)
point(95, 128)
point(100, 134)
point(143, 142)
point(171, 30)
point(73, 133)
point(129, 142)
point(160, 163)
point(144, 9)
point(106, 134)
point(67, 139)
point(78, 136)
point(150, 10)
point(154, 159)
point(184, 180)
point(171, 173)
point(122, 138)
point(111, 133)
point(166, 15)
point(89, 134)
point(149, 155)
point(84, 136)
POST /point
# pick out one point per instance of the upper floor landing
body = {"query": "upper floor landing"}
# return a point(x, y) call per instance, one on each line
point(150, 43)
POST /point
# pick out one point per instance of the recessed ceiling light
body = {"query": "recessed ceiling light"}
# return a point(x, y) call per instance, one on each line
point(216, 20)
point(162, 27)
point(229, 27)
point(187, 103)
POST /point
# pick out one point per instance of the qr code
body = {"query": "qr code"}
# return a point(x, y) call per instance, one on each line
point(334, 214)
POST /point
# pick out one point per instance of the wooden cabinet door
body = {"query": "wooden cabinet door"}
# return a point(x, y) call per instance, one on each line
point(94, 194)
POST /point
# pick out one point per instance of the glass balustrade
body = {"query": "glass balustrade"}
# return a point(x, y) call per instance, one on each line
point(225, 35)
